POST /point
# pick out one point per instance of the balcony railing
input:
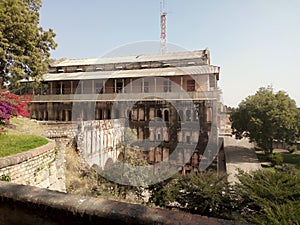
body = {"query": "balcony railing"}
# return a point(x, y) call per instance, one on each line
point(206, 95)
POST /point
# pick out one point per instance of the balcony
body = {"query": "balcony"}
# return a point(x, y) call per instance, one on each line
point(113, 97)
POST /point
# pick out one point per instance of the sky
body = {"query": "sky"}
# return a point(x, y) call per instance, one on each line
point(256, 43)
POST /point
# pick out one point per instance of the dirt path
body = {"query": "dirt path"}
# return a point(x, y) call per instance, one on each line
point(239, 154)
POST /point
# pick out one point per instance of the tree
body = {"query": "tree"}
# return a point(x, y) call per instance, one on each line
point(24, 46)
point(266, 117)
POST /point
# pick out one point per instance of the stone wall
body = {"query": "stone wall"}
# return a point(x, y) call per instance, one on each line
point(41, 167)
point(25, 205)
point(57, 129)
point(98, 140)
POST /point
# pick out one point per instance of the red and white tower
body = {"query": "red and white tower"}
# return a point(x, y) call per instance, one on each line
point(163, 26)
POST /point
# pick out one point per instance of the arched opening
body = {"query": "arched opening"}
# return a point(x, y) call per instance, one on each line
point(116, 114)
point(129, 114)
point(166, 115)
point(121, 156)
point(108, 164)
point(159, 113)
point(108, 114)
point(180, 112)
point(188, 115)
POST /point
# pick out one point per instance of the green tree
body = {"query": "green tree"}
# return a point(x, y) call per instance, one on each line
point(24, 46)
point(266, 117)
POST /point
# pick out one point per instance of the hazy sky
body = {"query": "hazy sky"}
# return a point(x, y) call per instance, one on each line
point(255, 42)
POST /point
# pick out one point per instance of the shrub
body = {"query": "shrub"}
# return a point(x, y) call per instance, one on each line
point(205, 194)
point(276, 159)
point(11, 105)
point(267, 197)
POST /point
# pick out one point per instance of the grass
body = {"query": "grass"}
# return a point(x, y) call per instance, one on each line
point(288, 158)
point(23, 136)
point(11, 144)
point(293, 159)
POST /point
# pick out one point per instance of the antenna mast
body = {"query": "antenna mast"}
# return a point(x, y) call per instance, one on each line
point(163, 26)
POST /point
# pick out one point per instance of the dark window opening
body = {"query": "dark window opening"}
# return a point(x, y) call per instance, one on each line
point(191, 85)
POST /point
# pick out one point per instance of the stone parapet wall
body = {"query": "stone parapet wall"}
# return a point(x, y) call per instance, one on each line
point(57, 129)
point(42, 167)
point(30, 205)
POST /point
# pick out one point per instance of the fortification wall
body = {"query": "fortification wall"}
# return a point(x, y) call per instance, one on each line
point(40, 167)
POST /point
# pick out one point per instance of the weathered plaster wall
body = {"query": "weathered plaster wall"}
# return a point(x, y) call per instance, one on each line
point(40, 167)
point(98, 140)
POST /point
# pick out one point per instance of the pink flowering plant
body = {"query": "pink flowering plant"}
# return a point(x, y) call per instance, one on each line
point(12, 105)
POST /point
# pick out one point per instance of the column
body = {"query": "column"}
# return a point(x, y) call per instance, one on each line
point(181, 82)
point(93, 86)
point(51, 88)
point(61, 87)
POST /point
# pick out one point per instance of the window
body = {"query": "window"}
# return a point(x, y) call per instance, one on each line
point(119, 87)
point(212, 81)
point(146, 86)
point(98, 87)
point(167, 86)
point(188, 139)
point(188, 115)
point(191, 85)
point(158, 137)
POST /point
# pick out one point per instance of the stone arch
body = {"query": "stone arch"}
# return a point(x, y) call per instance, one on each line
point(108, 163)
point(121, 156)
point(166, 115)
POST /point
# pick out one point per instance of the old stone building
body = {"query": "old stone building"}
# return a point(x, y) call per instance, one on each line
point(168, 101)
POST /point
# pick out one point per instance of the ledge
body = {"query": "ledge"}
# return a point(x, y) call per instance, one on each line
point(30, 205)
point(23, 156)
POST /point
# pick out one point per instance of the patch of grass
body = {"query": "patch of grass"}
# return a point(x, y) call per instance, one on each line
point(288, 158)
point(22, 125)
point(11, 144)
point(293, 159)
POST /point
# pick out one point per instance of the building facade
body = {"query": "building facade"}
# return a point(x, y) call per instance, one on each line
point(169, 101)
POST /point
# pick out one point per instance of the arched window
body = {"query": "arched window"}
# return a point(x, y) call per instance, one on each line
point(188, 115)
point(166, 115)
point(159, 113)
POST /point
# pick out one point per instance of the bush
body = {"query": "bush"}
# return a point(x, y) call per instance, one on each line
point(292, 148)
point(276, 159)
point(267, 197)
point(205, 194)
point(11, 105)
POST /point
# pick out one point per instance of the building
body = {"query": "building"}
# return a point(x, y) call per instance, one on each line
point(169, 100)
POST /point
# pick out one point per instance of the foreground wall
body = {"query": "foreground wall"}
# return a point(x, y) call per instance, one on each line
point(41, 167)
point(25, 205)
